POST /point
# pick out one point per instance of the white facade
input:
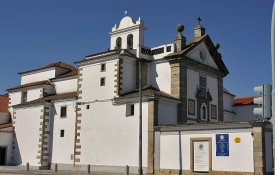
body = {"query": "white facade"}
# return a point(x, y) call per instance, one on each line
point(65, 85)
point(41, 75)
point(160, 76)
point(27, 125)
point(176, 150)
point(118, 144)
point(89, 115)
point(63, 147)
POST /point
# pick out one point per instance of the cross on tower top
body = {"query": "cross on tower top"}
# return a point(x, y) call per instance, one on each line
point(199, 19)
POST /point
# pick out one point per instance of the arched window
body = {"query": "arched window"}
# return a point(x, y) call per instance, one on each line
point(130, 41)
point(118, 43)
point(203, 112)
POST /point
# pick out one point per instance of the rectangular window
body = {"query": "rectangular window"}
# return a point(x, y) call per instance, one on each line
point(103, 67)
point(102, 81)
point(213, 112)
point(203, 85)
point(24, 97)
point(130, 110)
point(191, 107)
point(62, 132)
point(63, 112)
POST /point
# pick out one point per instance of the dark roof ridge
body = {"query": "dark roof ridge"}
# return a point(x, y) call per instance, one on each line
point(49, 98)
point(146, 91)
point(59, 64)
point(37, 83)
point(67, 74)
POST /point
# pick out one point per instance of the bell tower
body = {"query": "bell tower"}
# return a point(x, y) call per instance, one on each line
point(129, 34)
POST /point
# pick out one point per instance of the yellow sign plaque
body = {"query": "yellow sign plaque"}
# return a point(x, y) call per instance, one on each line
point(237, 139)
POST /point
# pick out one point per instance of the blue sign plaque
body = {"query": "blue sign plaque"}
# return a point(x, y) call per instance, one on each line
point(222, 145)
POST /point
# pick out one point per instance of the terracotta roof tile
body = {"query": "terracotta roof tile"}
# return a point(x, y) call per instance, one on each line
point(38, 83)
point(4, 103)
point(57, 64)
point(244, 101)
point(7, 125)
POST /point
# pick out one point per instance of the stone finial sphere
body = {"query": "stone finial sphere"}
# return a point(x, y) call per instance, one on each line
point(180, 28)
point(217, 46)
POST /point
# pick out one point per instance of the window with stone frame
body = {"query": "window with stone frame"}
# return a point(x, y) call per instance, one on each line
point(191, 107)
point(102, 81)
point(130, 110)
point(103, 67)
point(24, 96)
point(63, 111)
point(62, 133)
point(213, 111)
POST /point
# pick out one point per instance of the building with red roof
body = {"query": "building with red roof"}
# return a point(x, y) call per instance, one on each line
point(243, 108)
point(6, 131)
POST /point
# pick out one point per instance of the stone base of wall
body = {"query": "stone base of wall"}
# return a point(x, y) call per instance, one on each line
point(187, 172)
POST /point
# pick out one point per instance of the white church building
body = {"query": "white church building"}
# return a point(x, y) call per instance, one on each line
point(89, 114)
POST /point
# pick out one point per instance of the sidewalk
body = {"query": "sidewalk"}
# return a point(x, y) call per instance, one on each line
point(61, 172)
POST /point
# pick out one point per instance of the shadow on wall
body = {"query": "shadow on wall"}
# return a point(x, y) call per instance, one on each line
point(15, 156)
point(153, 75)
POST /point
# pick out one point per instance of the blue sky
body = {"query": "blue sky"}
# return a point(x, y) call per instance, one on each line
point(34, 33)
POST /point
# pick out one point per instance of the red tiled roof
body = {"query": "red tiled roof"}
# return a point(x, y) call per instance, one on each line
point(7, 125)
point(244, 101)
point(4, 103)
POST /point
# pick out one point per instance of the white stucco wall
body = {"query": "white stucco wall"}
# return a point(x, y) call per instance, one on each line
point(195, 54)
point(33, 94)
point(167, 112)
point(160, 76)
point(228, 102)
point(15, 98)
point(38, 76)
point(109, 138)
point(91, 81)
point(128, 75)
point(238, 152)
point(245, 112)
point(27, 133)
point(67, 85)
point(63, 147)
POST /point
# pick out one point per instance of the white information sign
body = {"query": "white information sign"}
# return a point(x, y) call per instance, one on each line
point(201, 156)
